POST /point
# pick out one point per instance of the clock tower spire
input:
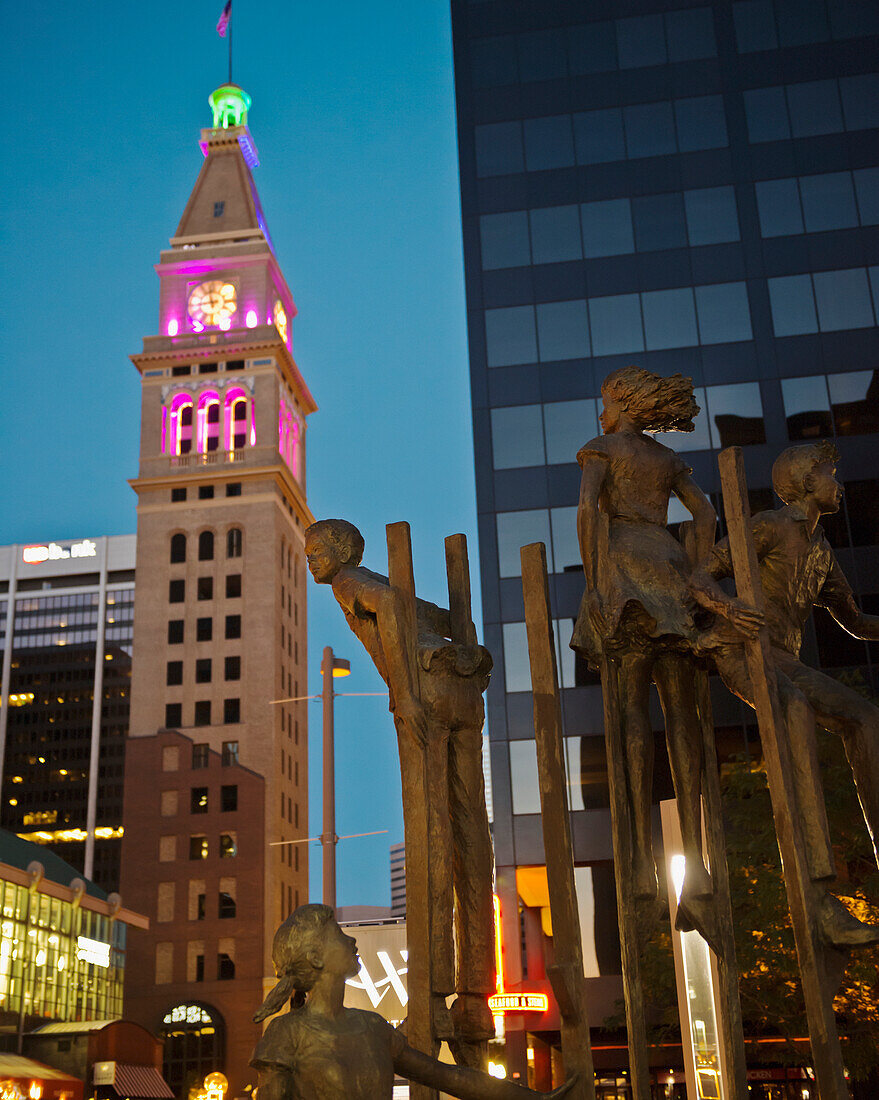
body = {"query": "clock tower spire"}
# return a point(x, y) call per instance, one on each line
point(216, 764)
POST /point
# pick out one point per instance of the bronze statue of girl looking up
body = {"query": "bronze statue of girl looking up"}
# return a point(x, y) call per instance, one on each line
point(321, 1050)
point(638, 607)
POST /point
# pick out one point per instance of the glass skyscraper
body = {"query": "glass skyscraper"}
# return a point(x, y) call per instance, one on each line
point(693, 188)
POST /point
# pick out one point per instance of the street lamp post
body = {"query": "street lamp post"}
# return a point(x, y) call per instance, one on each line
point(330, 667)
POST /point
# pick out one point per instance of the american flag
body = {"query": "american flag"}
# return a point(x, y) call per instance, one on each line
point(223, 21)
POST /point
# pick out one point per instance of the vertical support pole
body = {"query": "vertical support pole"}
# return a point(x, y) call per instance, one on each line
point(815, 960)
point(633, 915)
point(5, 676)
point(463, 629)
point(328, 835)
point(732, 1039)
point(566, 974)
point(413, 771)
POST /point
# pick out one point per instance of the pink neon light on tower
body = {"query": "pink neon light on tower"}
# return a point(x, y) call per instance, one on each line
point(235, 419)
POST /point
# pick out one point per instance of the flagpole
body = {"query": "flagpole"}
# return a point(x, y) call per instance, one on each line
point(230, 45)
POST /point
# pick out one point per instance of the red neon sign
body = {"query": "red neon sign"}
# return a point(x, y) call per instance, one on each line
point(502, 1001)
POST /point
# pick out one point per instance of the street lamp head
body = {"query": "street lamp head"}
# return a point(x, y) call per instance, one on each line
point(341, 667)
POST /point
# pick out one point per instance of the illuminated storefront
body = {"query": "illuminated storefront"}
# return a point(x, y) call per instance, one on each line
point(62, 941)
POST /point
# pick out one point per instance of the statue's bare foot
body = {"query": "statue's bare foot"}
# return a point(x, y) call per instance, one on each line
point(644, 880)
point(839, 928)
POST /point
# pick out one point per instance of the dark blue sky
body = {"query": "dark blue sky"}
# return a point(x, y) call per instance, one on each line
point(353, 116)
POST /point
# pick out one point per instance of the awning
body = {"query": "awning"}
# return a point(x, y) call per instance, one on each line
point(140, 1083)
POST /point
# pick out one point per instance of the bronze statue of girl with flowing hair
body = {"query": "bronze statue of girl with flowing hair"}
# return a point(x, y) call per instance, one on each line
point(320, 1050)
point(638, 607)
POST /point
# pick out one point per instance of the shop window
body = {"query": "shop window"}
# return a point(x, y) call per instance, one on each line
point(499, 149)
point(178, 548)
point(205, 588)
point(607, 228)
point(504, 240)
point(174, 673)
point(203, 671)
point(549, 142)
point(854, 399)
point(568, 425)
point(562, 331)
point(555, 234)
point(510, 336)
point(206, 546)
point(198, 800)
point(806, 407)
point(193, 1044)
point(176, 591)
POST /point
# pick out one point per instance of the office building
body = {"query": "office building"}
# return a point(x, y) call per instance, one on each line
point(692, 187)
point(216, 769)
point(398, 880)
point(66, 611)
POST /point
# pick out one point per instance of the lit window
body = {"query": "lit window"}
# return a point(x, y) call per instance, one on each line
point(180, 442)
point(208, 423)
point(228, 846)
point(198, 847)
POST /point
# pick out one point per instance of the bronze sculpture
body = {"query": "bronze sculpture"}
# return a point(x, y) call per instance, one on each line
point(639, 605)
point(322, 1051)
point(435, 691)
point(799, 571)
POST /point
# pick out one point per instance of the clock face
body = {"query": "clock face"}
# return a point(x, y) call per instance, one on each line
point(280, 318)
point(212, 303)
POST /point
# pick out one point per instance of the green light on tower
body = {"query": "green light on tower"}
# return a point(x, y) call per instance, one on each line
point(230, 105)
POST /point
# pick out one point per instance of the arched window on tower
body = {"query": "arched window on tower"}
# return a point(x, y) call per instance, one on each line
point(206, 546)
point(208, 422)
point(236, 419)
point(180, 423)
point(234, 542)
point(194, 1045)
point(178, 548)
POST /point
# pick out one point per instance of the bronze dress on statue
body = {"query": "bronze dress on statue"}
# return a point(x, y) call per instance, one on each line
point(642, 569)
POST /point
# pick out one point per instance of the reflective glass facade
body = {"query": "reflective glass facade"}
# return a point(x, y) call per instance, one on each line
point(68, 959)
point(59, 651)
point(690, 189)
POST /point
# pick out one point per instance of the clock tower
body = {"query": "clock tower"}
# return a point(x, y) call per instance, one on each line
point(216, 761)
